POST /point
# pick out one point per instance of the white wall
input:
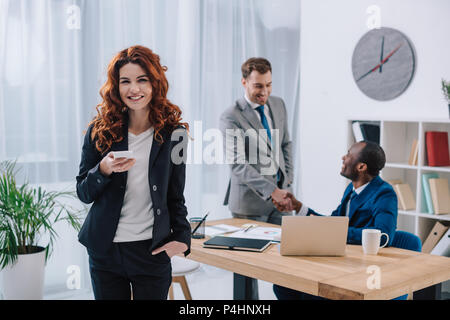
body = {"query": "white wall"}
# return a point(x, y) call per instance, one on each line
point(328, 95)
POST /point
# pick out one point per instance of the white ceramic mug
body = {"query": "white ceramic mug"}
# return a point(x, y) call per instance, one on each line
point(371, 240)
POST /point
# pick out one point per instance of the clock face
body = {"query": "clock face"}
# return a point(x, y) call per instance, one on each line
point(383, 64)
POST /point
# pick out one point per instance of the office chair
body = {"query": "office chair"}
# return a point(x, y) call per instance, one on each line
point(409, 241)
point(180, 268)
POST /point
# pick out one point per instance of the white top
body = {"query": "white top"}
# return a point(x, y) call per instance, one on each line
point(304, 209)
point(358, 191)
point(266, 111)
point(136, 217)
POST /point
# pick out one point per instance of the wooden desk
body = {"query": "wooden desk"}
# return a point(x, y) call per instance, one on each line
point(402, 271)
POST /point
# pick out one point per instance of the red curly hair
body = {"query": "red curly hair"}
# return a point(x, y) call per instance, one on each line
point(108, 124)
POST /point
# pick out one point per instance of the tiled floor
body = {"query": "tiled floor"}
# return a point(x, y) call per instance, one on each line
point(210, 283)
point(207, 283)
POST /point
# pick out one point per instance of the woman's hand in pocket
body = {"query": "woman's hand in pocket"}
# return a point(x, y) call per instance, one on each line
point(172, 248)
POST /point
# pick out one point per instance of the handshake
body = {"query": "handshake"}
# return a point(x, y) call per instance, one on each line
point(285, 201)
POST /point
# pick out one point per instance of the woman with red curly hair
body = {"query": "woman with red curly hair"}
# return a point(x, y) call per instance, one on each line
point(138, 218)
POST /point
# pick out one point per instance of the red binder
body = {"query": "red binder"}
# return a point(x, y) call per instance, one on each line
point(437, 148)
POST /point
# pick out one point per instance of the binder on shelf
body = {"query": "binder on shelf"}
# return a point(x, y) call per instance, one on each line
point(437, 148)
point(406, 200)
point(440, 195)
point(393, 182)
point(366, 131)
point(357, 133)
point(426, 190)
point(442, 248)
point(371, 132)
point(413, 155)
point(434, 236)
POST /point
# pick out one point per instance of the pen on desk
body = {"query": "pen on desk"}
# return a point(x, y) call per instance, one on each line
point(248, 228)
point(200, 223)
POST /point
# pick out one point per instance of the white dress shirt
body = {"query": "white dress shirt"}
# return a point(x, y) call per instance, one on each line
point(266, 111)
point(304, 209)
point(136, 217)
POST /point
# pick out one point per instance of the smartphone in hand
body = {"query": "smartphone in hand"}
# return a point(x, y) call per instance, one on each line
point(123, 154)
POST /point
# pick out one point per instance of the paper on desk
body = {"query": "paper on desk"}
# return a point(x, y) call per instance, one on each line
point(218, 229)
point(263, 233)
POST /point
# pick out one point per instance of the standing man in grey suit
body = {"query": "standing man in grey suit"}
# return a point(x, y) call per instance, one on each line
point(258, 147)
point(259, 122)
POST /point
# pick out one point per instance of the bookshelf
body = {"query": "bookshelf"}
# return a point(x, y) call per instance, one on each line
point(396, 138)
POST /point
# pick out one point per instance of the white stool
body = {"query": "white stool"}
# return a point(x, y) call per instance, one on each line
point(180, 268)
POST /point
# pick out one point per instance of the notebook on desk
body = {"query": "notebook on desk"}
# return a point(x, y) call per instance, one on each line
point(231, 243)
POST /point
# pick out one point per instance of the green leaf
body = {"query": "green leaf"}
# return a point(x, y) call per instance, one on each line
point(28, 213)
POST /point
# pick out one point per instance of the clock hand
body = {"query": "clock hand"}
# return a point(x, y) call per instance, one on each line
point(381, 63)
point(381, 57)
point(390, 54)
point(367, 73)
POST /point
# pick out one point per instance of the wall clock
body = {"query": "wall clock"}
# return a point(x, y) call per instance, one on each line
point(383, 63)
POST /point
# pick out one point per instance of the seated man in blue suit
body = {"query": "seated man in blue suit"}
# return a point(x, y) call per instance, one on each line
point(368, 201)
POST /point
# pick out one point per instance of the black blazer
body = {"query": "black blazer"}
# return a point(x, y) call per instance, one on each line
point(166, 181)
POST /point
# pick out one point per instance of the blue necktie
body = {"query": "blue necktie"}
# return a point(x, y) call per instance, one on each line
point(354, 194)
point(265, 124)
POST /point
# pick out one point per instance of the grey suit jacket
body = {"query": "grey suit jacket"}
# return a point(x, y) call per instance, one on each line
point(254, 159)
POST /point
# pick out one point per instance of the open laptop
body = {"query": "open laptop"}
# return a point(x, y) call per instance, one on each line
point(313, 236)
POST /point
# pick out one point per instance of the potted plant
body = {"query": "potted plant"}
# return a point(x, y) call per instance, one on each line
point(446, 92)
point(27, 215)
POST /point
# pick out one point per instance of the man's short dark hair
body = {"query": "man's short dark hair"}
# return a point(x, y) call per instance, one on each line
point(373, 156)
point(261, 65)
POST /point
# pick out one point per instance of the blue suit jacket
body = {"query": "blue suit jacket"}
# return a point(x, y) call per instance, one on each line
point(374, 208)
point(107, 193)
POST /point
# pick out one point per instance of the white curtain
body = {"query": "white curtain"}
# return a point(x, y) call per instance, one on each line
point(53, 59)
point(42, 111)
